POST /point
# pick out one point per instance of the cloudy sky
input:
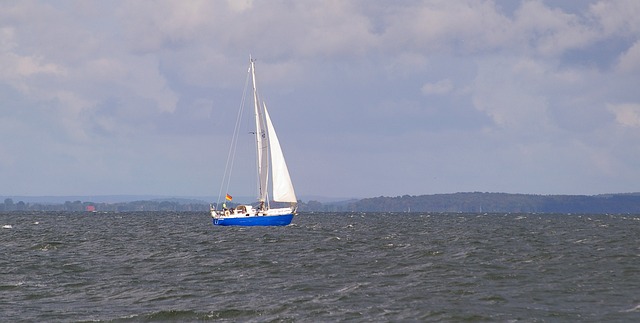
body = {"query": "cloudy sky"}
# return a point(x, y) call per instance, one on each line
point(369, 98)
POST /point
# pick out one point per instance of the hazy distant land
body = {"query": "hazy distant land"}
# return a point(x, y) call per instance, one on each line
point(454, 202)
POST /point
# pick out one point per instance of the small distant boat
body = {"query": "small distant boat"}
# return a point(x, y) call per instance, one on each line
point(270, 159)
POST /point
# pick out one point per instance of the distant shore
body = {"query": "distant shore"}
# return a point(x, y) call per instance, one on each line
point(471, 202)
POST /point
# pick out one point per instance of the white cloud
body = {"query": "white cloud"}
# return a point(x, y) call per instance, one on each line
point(629, 61)
point(617, 18)
point(17, 69)
point(406, 63)
point(153, 25)
point(7, 39)
point(507, 89)
point(551, 31)
point(440, 87)
point(22, 71)
point(627, 114)
point(467, 26)
point(334, 28)
point(240, 5)
point(104, 69)
point(146, 81)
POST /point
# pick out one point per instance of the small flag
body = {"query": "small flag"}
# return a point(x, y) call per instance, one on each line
point(229, 198)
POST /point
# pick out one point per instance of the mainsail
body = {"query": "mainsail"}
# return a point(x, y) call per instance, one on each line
point(262, 141)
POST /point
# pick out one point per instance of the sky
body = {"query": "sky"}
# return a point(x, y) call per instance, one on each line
point(369, 98)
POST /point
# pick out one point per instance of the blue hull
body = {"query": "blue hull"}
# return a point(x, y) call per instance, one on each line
point(271, 220)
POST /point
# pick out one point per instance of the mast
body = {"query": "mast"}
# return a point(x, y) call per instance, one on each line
point(262, 142)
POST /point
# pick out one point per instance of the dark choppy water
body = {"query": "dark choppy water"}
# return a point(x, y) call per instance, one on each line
point(325, 267)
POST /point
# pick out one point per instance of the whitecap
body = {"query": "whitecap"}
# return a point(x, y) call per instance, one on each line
point(635, 309)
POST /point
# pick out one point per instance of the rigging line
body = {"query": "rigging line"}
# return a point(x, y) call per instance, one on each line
point(233, 146)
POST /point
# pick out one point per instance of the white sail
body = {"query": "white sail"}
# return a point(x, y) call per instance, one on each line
point(282, 186)
point(262, 142)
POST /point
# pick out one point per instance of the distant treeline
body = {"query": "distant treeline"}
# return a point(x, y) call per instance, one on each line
point(500, 202)
point(455, 202)
point(79, 206)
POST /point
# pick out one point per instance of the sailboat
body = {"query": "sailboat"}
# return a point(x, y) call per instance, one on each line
point(270, 161)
